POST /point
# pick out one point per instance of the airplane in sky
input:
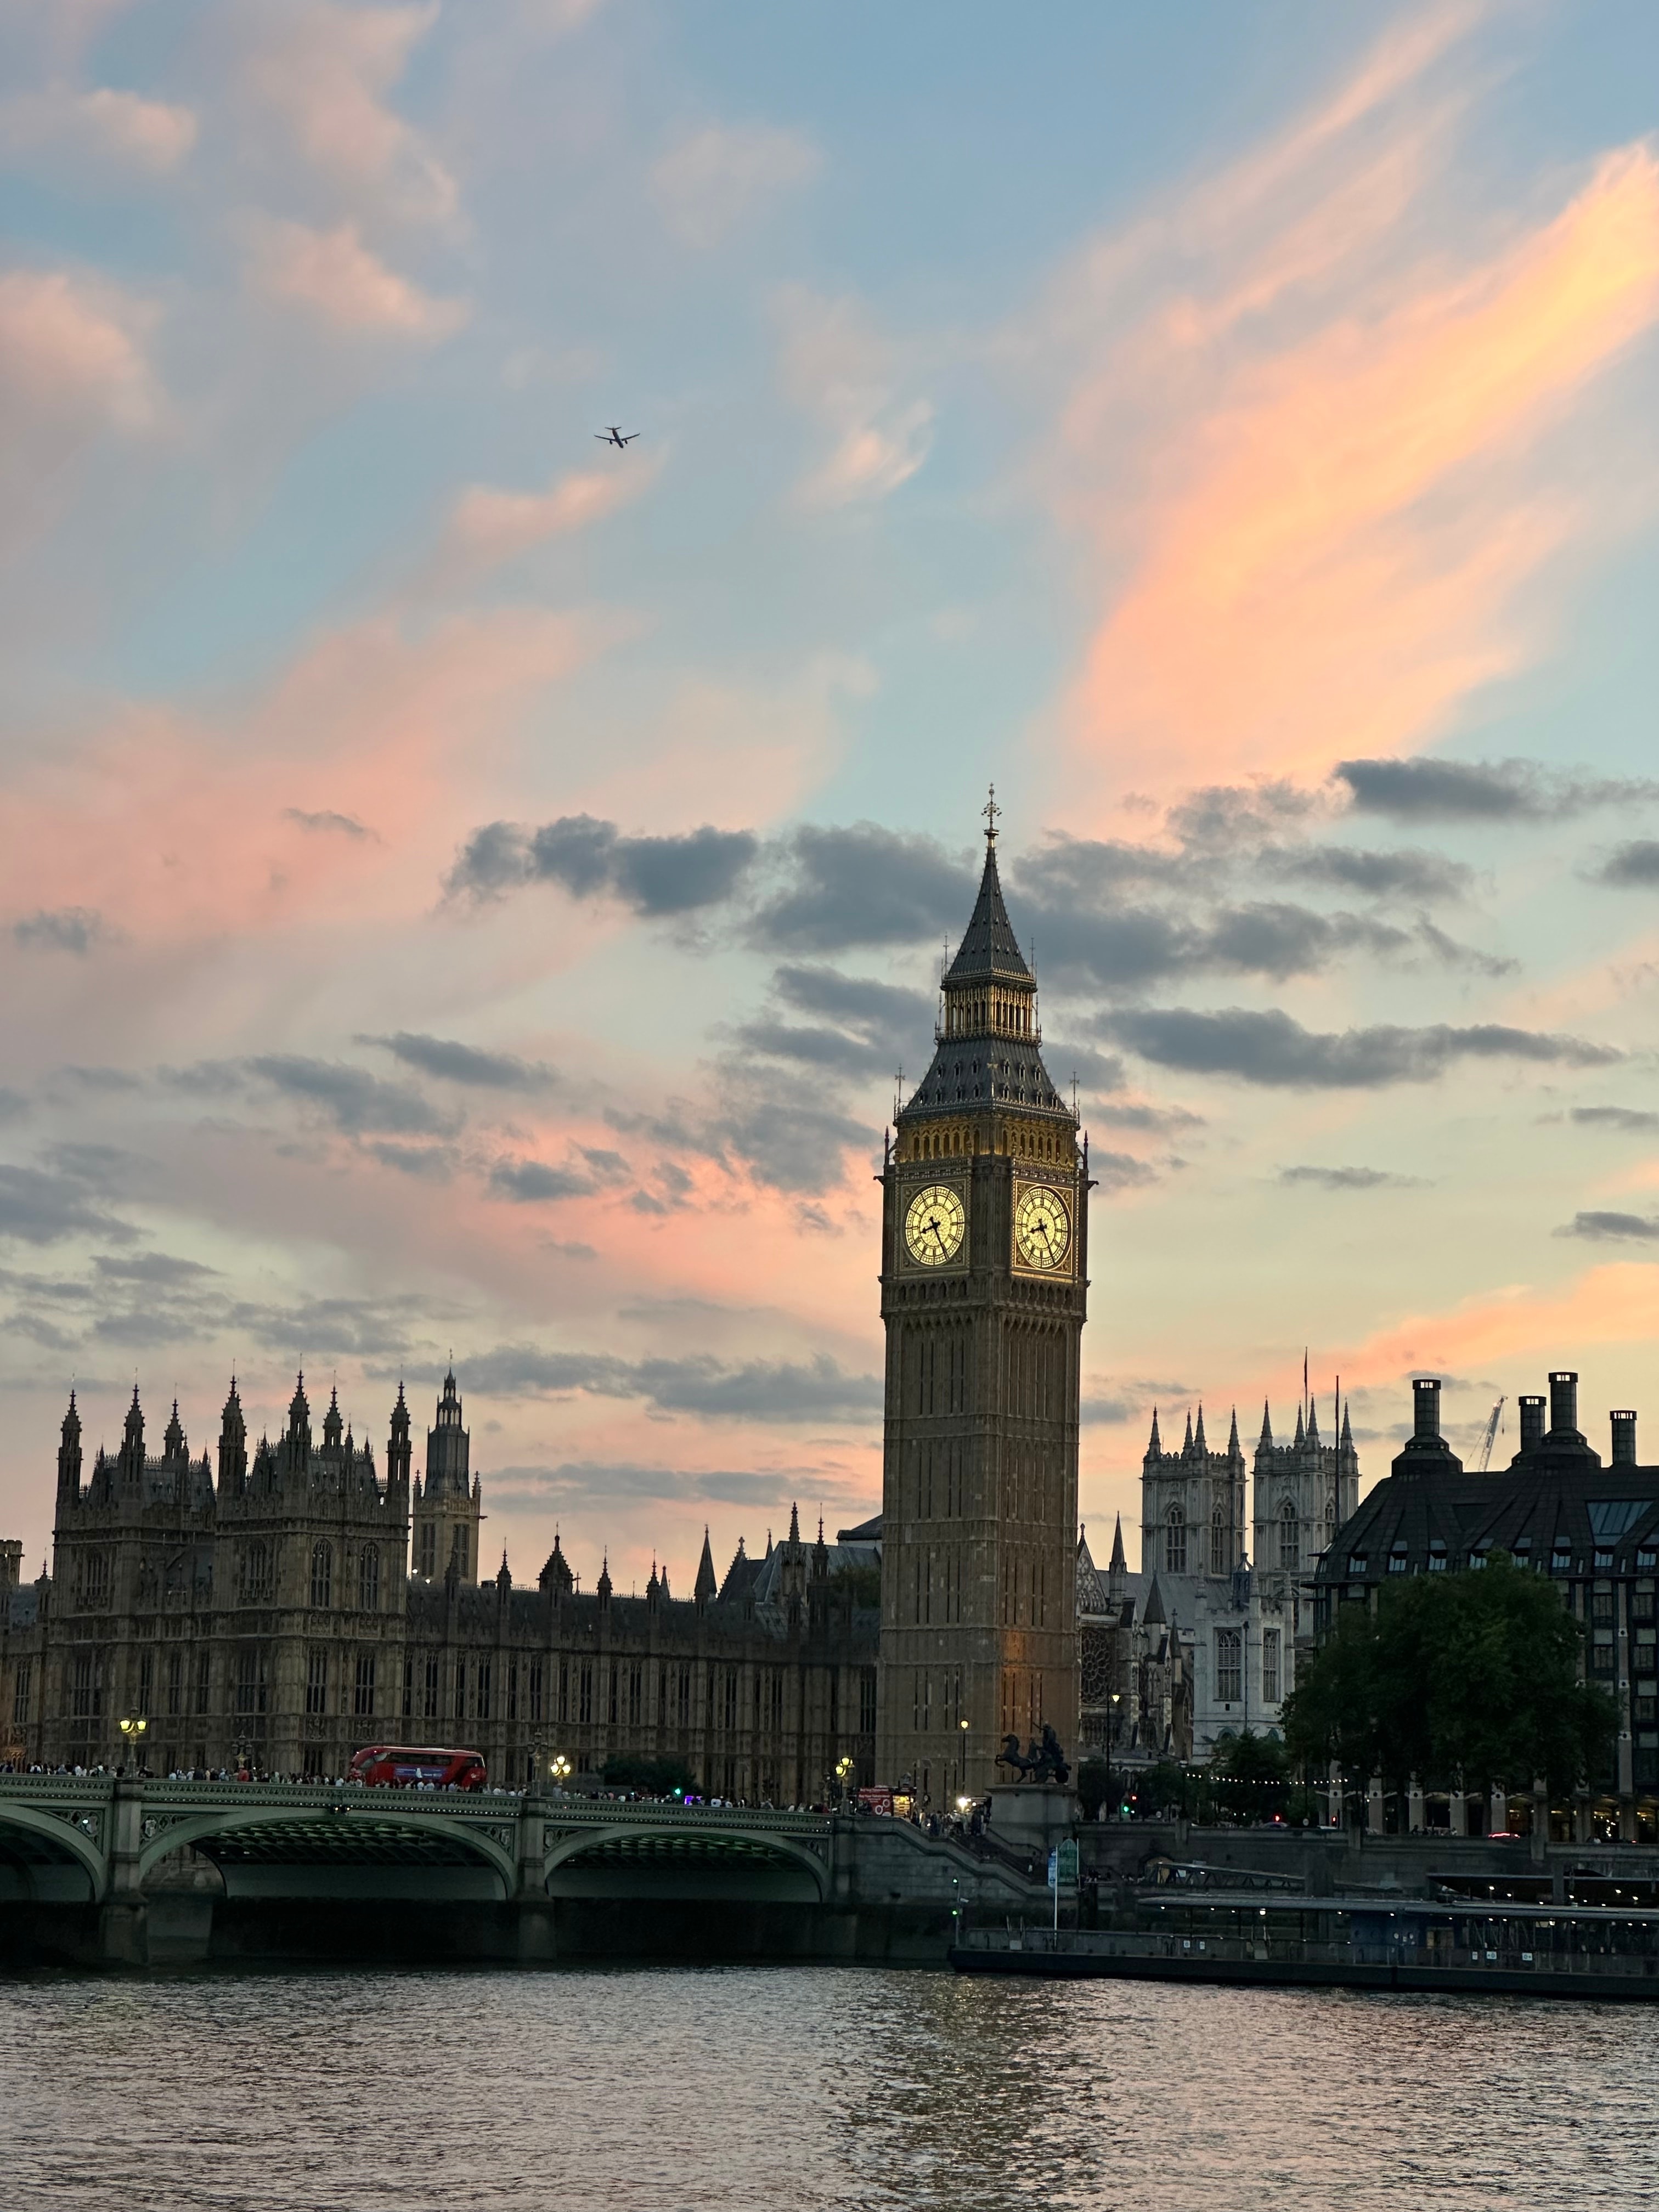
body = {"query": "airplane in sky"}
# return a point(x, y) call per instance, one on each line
point(615, 437)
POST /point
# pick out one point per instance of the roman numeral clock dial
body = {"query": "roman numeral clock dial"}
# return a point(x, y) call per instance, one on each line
point(935, 1223)
point(1043, 1227)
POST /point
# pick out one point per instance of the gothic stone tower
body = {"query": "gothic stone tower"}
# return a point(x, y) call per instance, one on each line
point(984, 1284)
point(449, 1506)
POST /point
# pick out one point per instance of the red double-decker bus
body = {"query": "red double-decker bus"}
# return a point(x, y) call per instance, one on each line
point(404, 1766)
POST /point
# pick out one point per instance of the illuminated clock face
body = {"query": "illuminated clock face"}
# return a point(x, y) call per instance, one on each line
point(935, 1223)
point(1043, 1227)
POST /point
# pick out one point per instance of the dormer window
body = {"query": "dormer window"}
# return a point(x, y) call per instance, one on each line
point(1397, 1556)
point(1437, 1555)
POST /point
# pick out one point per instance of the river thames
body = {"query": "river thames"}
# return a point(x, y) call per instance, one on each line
point(807, 2088)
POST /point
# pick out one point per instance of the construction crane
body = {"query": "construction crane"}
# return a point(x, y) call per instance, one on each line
point(1490, 1431)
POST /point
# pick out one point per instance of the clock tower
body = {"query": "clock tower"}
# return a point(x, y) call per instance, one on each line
point(983, 1290)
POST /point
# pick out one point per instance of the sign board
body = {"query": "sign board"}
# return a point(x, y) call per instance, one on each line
point(876, 1800)
point(1065, 1876)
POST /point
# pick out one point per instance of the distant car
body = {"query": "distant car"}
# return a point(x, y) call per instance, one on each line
point(402, 1766)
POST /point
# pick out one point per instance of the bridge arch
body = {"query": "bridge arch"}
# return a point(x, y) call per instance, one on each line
point(644, 1858)
point(56, 1841)
point(362, 1836)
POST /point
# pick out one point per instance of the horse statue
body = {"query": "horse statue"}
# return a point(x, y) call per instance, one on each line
point(1041, 1762)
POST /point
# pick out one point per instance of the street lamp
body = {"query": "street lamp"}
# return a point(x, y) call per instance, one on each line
point(844, 1772)
point(560, 1770)
point(132, 1729)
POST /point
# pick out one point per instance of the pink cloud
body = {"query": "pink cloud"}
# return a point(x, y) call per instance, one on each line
point(708, 183)
point(487, 526)
point(333, 275)
point(73, 367)
point(853, 381)
point(102, 126)
point(323, 72)
point(1308, 435)
point(1617, 1304)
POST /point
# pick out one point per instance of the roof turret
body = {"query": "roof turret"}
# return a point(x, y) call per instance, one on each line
point(1153, 1441)
point(1265, 1440)
point(1118, 1564)
point(989, 949)
point(1199, 1445)
point(707, 1583)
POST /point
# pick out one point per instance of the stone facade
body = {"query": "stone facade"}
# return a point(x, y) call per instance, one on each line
point(1202, 1643)
point(264, 1611)
point(984, 1291)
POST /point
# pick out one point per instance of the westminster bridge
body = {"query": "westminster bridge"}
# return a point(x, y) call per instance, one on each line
point(128, 1869)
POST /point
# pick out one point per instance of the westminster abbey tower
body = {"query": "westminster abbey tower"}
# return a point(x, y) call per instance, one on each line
point(984, 1285)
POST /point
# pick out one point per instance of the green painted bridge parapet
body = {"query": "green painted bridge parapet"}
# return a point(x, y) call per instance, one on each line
point(144, 1851)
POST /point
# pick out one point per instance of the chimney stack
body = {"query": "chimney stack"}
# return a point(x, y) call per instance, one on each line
point(1624, 1438)
point(1564, 1405)
point(1425, 1399)
point(1532, 1422)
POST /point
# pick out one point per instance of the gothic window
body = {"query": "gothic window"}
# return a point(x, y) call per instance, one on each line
point(835, 1705)
point(368, 1579)
point(585, 1696)
point(636, 1694)
point(253, 1578)
point(1219, 1562)
point(426, 1550)
point(1270, 1692)
point(146, 1682)
point(460, 1689)
point(685, 1697)
point(1290, 1538)
point(1174, 1542)
point(430, 1688)
point(513, 1690)
point(409, 1689)
point(250, 1694)
point(176, 1690)
point(204, 1682)
point(362, 1690)
point(867, 1702)
point(1228, 1665)
point(21, 1683)
point(94, 1579)
point(317, 1683)
point(730, 1698)
point(322, 1575)
point(86, 1698)
point(536, 1690)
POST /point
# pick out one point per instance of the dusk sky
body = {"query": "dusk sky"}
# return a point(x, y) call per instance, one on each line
point(465, 888)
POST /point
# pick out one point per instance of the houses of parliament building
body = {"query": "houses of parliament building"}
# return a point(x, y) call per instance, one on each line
point(285, 1603)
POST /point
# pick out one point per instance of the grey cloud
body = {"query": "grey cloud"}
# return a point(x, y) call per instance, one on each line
point(1398, 873)
point(435, 1163)
point(343, 825)
point(356, 1102)
point(814, 1390)
point(1219, 816)
point(1631, 866)
point(1140, 1115)
point(591, 858)
point(530, 1181)
point(1632, 1227)
point(464, 1063)
point(1120, 1171)
point(152, 1268)
point(40, 1208)
point(1480, 791)
point(1613, 1117)
point(1349, 1178)
point(863, 885)
point(577, 1483)
point(61, 929)
point(1106, 1410)
point(1270, 1048)
point(13, 1104)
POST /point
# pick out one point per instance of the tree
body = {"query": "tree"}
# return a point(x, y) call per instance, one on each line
point(1094, 1786)
point(1467, 1680)
point(1250, 1776)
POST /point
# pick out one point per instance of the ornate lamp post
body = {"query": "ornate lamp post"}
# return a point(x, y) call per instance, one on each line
point(843, 1775)
point(132, 1735)
point(560, 1770)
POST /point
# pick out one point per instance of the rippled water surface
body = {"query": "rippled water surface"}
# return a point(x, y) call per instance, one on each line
point(798, 2087)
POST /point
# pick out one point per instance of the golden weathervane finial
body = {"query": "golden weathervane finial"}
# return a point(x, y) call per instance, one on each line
point(991, 810)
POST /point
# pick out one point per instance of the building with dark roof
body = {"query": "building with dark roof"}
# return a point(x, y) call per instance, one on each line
point(1592, 1525)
